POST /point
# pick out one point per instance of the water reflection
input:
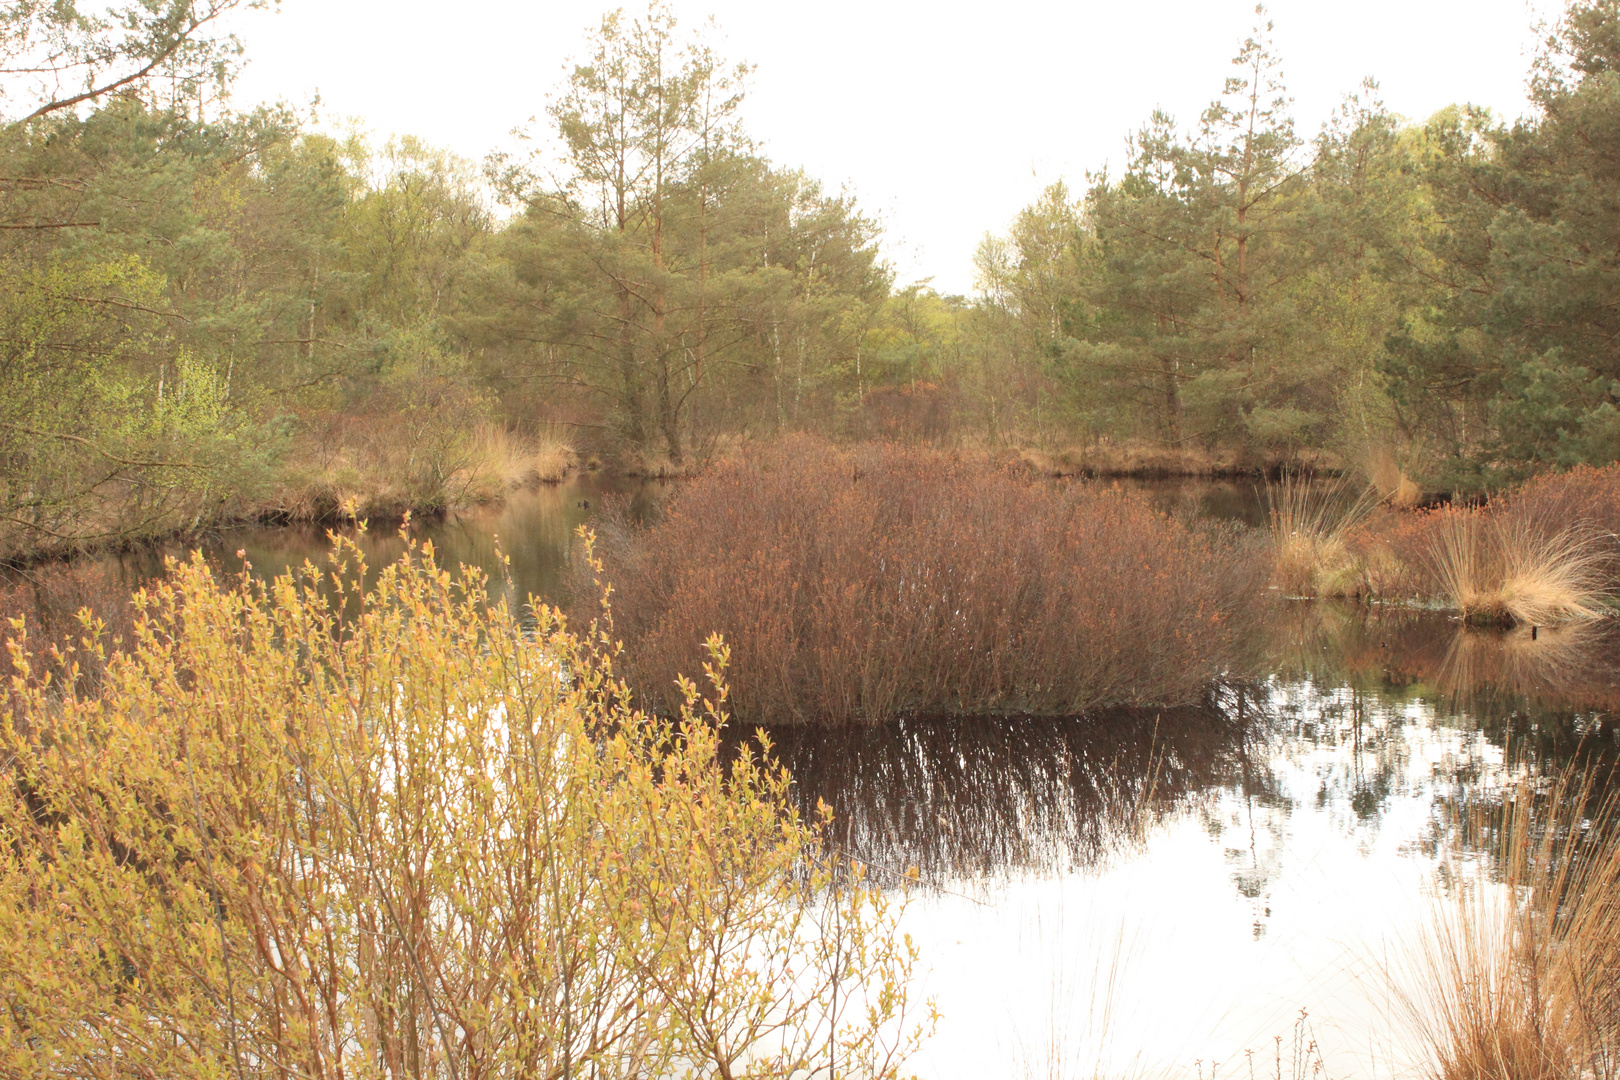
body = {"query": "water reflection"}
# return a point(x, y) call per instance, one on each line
point(973, 798)
point(1553, 693)
point(533, 529)
point(1363, 710)
point(1245, 501)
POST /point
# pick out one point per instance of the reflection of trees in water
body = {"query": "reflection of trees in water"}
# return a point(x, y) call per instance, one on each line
point(1553, 693)
point(976, 797)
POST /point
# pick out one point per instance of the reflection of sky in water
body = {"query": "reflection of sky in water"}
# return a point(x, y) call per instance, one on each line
point(1240, 907)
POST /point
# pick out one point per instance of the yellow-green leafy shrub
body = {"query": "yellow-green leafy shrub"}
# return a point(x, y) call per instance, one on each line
point(355, 825)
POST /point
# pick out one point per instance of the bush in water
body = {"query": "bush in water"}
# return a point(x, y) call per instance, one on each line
point(855, 585)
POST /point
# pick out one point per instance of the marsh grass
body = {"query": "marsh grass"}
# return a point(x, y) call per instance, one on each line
point(1506, 569)
point(1311, 525)
point(1517, 978)
point(553, 457)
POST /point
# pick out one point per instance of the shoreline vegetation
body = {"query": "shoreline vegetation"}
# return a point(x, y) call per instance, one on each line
point(345, 472)
point(262, 837)
point(348, 473)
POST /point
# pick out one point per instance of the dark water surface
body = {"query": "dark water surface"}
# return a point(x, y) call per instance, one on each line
point(1138, 892)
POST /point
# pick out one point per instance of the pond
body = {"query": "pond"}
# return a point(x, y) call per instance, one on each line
point(1150, 892)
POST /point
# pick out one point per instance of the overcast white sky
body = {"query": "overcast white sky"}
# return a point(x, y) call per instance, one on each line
point(943, 118)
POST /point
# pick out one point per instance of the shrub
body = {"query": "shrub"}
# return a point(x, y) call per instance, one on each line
point(307, 828)
point(1584, 497)
point(857, 585)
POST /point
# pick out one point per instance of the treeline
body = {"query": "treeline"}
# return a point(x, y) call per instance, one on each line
point(207, 314)
point(1436, 300)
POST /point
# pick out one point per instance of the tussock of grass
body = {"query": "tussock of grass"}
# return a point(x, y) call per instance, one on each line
point(552, 461)
point(519, 460)
point(1518, 977)
point(1129, 458)
point(1311, 523)
point(1388, 479)
point(364, 468)
point(1504, 569)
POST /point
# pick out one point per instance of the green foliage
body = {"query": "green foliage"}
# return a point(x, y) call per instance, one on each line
point(1439, 295)
point(674, 276)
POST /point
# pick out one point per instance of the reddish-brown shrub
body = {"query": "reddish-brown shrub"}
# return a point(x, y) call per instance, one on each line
point(856, 585)
point(1584, 497)
point(47, 600)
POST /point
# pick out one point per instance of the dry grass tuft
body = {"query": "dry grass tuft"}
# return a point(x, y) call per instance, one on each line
point(1133, 457)
point(553, 459)
point(1389, 480)
point(520, 461)
point(1505, 569)
point(380, 467)
point(1519, 975)
point(1311, 525)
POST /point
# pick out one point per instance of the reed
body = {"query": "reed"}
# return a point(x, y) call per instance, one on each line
point(1518, 974)
point(857, 585)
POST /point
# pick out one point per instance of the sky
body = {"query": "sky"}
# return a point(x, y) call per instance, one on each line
point(943, 119)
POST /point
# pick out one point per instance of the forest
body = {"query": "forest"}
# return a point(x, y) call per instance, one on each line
point(209, 315)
